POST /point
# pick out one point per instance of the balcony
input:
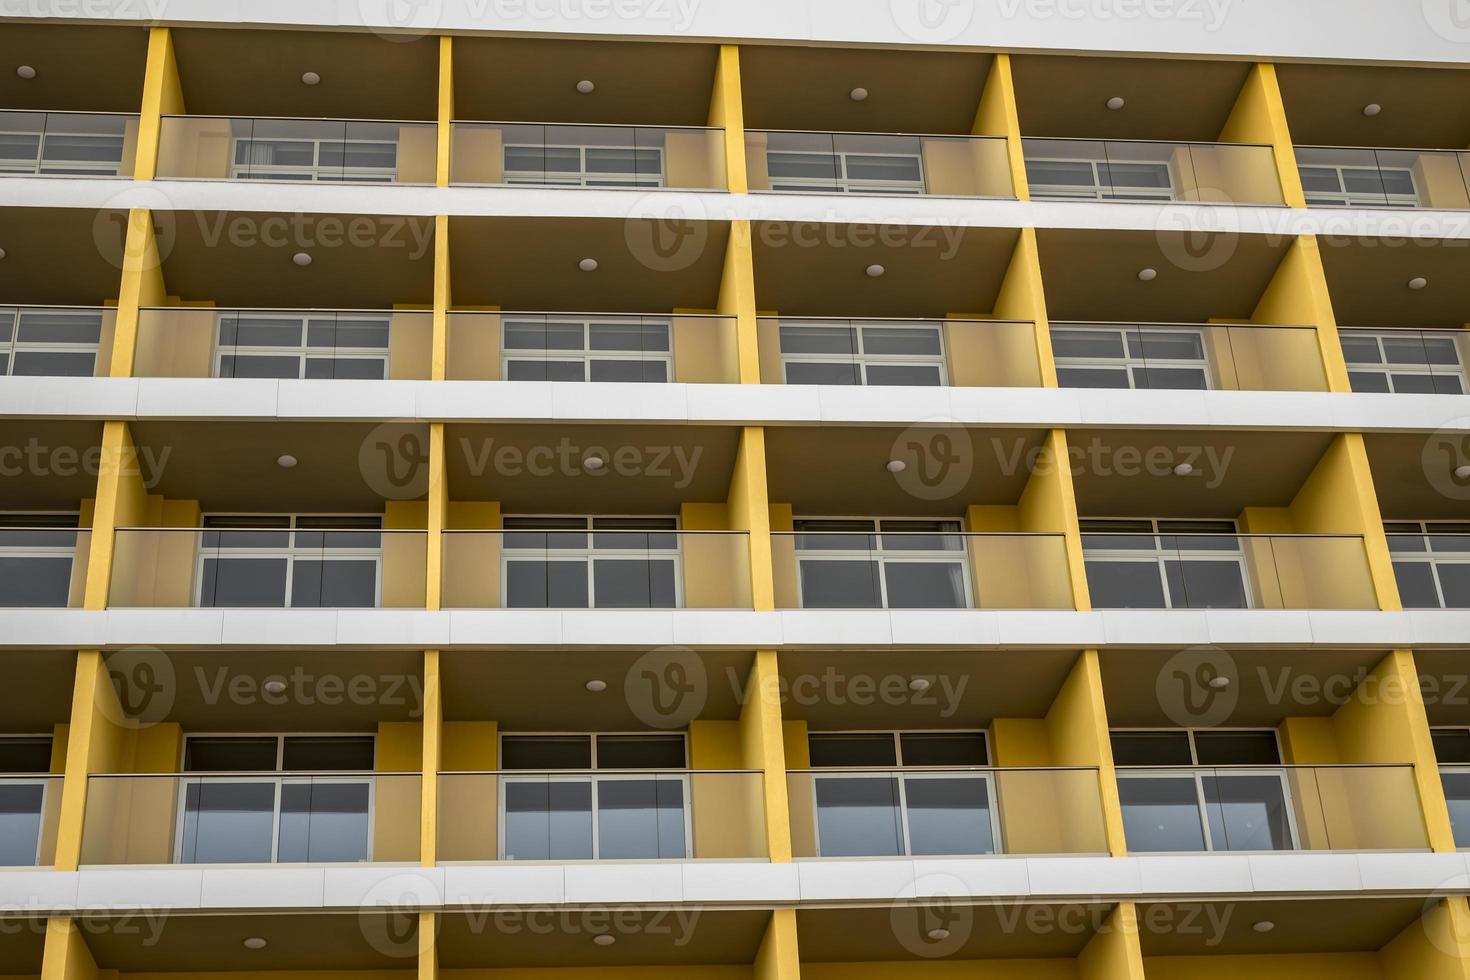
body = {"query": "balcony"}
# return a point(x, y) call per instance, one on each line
point(911, 564)
point(195, 342)
point(55, 341)
point(1431, 562)
point(951, 352)
point(68, 144)
point(651, 348)
point(1151, 171)
point(1405, 360)
point(1271, 808)
point(1190, 356)
point(30, 812)
point(878, 163)
point(839, 812)
point(615, 563)
point(332, 150)
point(43, 567)
point(1369, 177)
point(586, 155)
point(603, 815)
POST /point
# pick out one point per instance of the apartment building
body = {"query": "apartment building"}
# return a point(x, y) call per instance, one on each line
point(1015, 460)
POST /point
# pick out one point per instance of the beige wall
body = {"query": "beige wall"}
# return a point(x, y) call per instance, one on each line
point(476, 154)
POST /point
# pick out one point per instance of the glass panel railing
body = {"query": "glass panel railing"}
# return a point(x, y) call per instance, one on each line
point(928, 353)
point(1366, 177)
point(1139, 170)
point(268, 569)
point(918, 570)
point(199, 342)
point(1228, 571)
point(1432, 569)
point(56, 341)
point(1271, 808)
point(334, 150)
point(586, 155)
point(878, 163)
point(944, 812)
point(1196, 356)
point(78, 144)
point(596, 569)
point(30, 812)
point(1407, 361)
point(43, 568)
point(619, 347)
point(606, 815)
point(252, 818)
point(1456, 782)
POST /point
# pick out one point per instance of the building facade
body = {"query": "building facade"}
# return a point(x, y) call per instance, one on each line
point(1013, 459)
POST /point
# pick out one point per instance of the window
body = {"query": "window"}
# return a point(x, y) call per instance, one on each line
point(1359, 187)
point(260, 817)
point(881, 564)
point(23, 802)
point(49, 343)
point(303, 345)
point(36, 556)
point(290, 561)
point(77, 145)
point(862, 353)
point(923, 802)
point(1238, 802)
point(607, 801)
point(591, 563)
point(1164, 564)
point(584, 165)
point(1413, 361)
point(1130, 357)
point(1099, 180)
point(1452, 750)
point(1431, 561)
point(845, 172)
point(352, 161)
point(575, 349)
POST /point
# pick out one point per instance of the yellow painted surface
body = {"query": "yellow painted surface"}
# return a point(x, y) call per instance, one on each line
point(1021, 297)
point(727, 111)
point(468, 804)
point(122, 500)
point(439, 355)
point(997, 116)
point(762, 746)
point(1077, 732)
point(1432, 948)
point(737, 299)
point(1286, 966)
point(750, 511)
point(162, 95)
point(431, 755)
point(94, 744)
point(428, 946)
point(682, 972)
point(446, 110)
point(778, 957)
point(1049, 503)
point(1259, 116)
point(66, 955)
point(1297, 296)
point(438, 514)
point(1113, 953)
point(141, 285)
point(1339, 498)
point(944, 970)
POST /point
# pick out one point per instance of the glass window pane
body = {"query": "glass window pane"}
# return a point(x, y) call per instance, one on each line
point(833, 584)
point(883, 167)
point(841, 749)
point(54, 364)
point(258, 366)
point(334, 584)
point(79, 327)
point(1361, 349)
point(1361, 381)
point(315, 753)
point(1179, 346)
point(1416, 584)
point(548, 820)
point(1172, 379)
point(20, 823)
point(545, 371)
point(1452, 746)
point(244, 583)
point(1246, 813)
point(546, 752)
point(324, 821)
point(949, 815)
point(814, 373)
point(1457, 795)
point(804, 338)
point(1161, 814)
point(943, 749)
point(912, 341)
point(629, 336)
point(25, 755)
point(925, 375)
point(633, 583)
point(925, 585)
point(228, 823)
point(35, 581)
point(546, 584)
point(1074, 377)
point(230, 755)
point(1151, 749)
point(640, 819)
point(1070, 173)
point(643, 372)
point(1454, 582)
point(821, 166)
point(858, 816)
point(1237, 749)
point(640, 752)
point(1125, 584)
point(1206, 584)
point(1087, 343)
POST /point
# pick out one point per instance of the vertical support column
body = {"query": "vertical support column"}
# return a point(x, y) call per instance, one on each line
point(778, 957)
point(762, 746)
point(439, 354)
point(66, 955)
point(142, 285)
point(162, 96)
point(727, 111)
point(1298, 296)
point(1114, 952)
point(1436, 946)
point(432, 758)
point(1259, 116)
point(93, 744)
point(1022, 297)
point(121, 500)
point(438, 517)
point(998, 116)
point(428, 946)
point(446, 111)
point(1077, 726)
point(749, 506)
point(737, 299)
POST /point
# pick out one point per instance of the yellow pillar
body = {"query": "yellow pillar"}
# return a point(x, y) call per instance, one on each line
point(1436, 946)
point(94, 743)
point(1077, 729)
point(1114, 952)
point(428, 947)
point(1297, 296)
point(727, 111)
point(438, 517)
point(439, 355)
point(737, 299)
point(142, 285)
point(762, 747)
point(750, 511)
point(432, 756)
point(1022, 297)
point(446, 110)
point(1259, 116)
point(66, 956)
point(778, 957)
point(122, 500)
point(162, 96)
point(997, 116)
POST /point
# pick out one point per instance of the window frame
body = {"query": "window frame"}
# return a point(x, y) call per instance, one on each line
point(304, 351)
point(841, 183)
point(1388, 369)
point(878, 555)
point(588, 554)
point(14, 346)
point(291, 552)
point(1161, 555)
point(586, 355)
point(315, 172)
point(1100, 190)
point(63, 168)
point(1429, 556)
point(860, 359)
point(22, 552)
point(1129, 362)
point(1344, 198)
point(582, 177)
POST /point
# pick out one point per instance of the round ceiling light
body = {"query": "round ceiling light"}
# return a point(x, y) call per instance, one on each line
point(26, 72)
point(1184, 469)
point(596, 686)
point(1372, 109)
point(1116, 103)
point(254, 942)
point(875, 270)
point(593, 463)
point(310, 78)
point(286, 461)
point(895, 466)
point(274, 686)
point(586, 86)
point(603, 939)
point(1147, 275)
point(302, 259)
point(1418, 282)
point(588, 265)
point(858, 94)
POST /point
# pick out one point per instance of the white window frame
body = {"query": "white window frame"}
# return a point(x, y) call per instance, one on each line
point(1428, 556)
point(42, 551)
point(305, 350)
point(44, 780)
point(1128, 362)
point(1160, 555)
point(1388, 369)
point(880, 556)
point(41, 167)
point(14, 345)
point(586, 355)
point(1343, 198)
point(589, 553)
point(860, 358)
point(583, 177)
point(291, 552)
point(1100, 190)
point(316, 171)
point(842, 183)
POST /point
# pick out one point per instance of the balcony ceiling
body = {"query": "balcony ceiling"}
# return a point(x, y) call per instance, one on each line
point(1093, 275)
point(78, 68)
point(1447, 702)
point(239, 72)
point(1302, 926)
point(808, 88)
point(39, 684)
point(810, 269)
point(56, 462)
point(869, 935)
point(531, 264)
point(1409, 468)
point(651, 938)
point(502, 79)
point(1367, 279)
point(197, 944)
point(1422, 107)
point(61, 255)
point(1164, 99)
point(1232, 470)
point(22, 944)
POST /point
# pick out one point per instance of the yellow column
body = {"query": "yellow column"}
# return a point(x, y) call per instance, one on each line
point(439, 355)
point(750, 511)
point(778, 957)
point(762, 746)
point(737, 299)
point(997, 116)
point(1022, 297)
point(66, 955)
point(1077, 728)
point(142, 285)
point(162, 96)
point(433, 754)
point(1297, 296)
point(428, 947)
point(446, 110)
point(438, 517)
point(94, 742)
point(1114, 952)
point(1259, 116)
point(727, 111)
point(122, 499)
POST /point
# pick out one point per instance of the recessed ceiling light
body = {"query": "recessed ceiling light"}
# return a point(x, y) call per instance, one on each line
point(1462, 472)
point(1115, 103)
point(588, 265)
point(895, 466)
point(1219, 682)
point(586, 86)
point(1147, 275)
point(938, 935)
point(594, 463)
point(274, 686)
point(26, 72)
point(597, 687)
point(2, 253)
point(254, 942)
point(1418, 282)
point(1265, 925)
point(603, 939)
point(858, 94)
point(1372, 109)
point(1184, 469)
point(286, 461)
point(310, 78)
point(302, 259)
point(919, 684)
point(875, 270)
